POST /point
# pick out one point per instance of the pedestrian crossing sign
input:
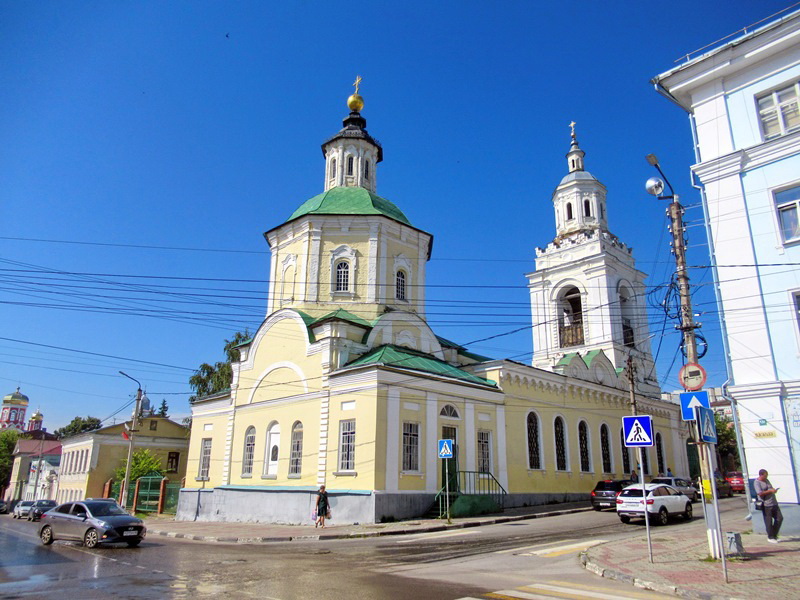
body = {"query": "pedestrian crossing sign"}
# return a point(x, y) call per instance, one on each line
point(445, 448)
point(706, 425)
point(638, 431)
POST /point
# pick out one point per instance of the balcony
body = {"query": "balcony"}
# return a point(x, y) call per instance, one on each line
point(571, 335)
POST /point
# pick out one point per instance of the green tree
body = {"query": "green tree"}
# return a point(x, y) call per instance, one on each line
point(727, 448)
point(163, 411)
point(143, 463)
point(78, 425)
point(8, 440)
point(210, 379)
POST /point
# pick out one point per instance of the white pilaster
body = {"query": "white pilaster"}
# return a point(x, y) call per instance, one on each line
point(468, 443)
point(502, 456)
point(431, 442)
point(392, 439)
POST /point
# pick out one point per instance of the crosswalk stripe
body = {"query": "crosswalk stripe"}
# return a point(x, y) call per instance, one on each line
point(628, 594)
point(563, 591)
point(520, 595)
point(523, 548)
point(565, 549)
point(437, 536)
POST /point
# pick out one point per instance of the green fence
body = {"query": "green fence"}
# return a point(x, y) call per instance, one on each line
point(149, 493)
point(171, 493)
point(115, 489)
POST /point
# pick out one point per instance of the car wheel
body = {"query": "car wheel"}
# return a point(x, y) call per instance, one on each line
point(687, 514)
point(730, 493)
point(91, 539)
point(663, 516)
point(625, 520)
point(46, 535)
point(597, 508)
point(133, 543)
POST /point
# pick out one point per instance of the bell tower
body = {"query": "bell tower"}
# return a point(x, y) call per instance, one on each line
point(586, 293)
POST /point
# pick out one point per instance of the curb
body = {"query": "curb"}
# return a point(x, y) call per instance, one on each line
point(663, 588)
point(364, 534)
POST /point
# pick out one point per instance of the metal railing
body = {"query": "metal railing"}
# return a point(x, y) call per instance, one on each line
point(571, 335)
point(470, 483)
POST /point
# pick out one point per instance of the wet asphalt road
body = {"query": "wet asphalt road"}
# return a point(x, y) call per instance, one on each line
point(441, 566)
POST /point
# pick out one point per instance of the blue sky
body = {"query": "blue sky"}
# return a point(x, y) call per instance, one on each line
point(145, 147)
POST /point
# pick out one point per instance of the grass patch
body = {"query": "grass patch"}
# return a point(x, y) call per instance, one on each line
point(709, 559)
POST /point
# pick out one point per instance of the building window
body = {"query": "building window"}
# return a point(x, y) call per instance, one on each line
point(347, 445)
point(272, 449)
point(366, 170)
point(587, 208)
point(400, 286)
point(249, 450)
point(787, 203)
point(333, 168)
point(342, 276)
point(645, 462)
point(534, 451)
point(349, 165)
point(153, 425)
point(569, 211)
point(410, 446)
point(448, 410)
point(561, 444)
point(660, 455)
point(173, 458)
point(778, 112)
point(205, 458)
point(570, 317)
point(296, 458)
point(626, 457)
point(583, 442)
point(484, 451)
point(605, 448)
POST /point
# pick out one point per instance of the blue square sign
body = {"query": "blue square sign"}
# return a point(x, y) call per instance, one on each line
point(706, 425)
point(638, 431)
point(445, 448)
point(692, 400)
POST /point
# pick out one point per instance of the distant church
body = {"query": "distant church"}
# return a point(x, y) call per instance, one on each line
point(12, 413)
point(346, 385)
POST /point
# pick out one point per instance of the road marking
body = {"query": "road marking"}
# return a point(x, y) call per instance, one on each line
point(523, 548)
point(562, 550)
point(517, 595)
point(630, 594)
point(437, 536)
point(565, 592)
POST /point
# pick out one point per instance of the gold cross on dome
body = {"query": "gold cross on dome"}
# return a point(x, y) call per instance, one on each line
point(572, 129)
point(357, 82)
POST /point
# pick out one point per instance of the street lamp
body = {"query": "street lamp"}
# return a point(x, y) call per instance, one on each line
point(132, 431)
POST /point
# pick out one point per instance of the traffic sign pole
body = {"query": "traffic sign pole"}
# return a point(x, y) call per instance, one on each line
point(646, 514)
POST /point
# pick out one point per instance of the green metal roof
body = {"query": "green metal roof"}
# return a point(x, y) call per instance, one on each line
point(394, 356)
point(349, 201)
point(342, 315)
point(566, 359)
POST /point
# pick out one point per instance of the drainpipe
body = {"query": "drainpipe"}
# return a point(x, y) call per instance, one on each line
point(739, 443)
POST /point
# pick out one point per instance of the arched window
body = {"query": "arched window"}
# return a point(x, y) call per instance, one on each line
point(660, 454)
point(570, 317)
point(333, 168)
point(343, 276)
point(587, 208)
point(534, 450)
point(296, 459)
point(561, 444)
point(569, 211)
point(602, 212)
point(645, 462)
point(626, 457)
point(583, 443)
point(626, 311)
point(272, 450)
point(400, 286)
point(448, 410)
point(249, 449)
point(605, 448)
point(349, 165)
point(366, 170)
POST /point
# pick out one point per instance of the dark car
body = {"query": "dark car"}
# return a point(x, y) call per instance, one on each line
point(604, 494)
point(736, 479)
point(91, 522)
point(39, 508)
point(3, 507)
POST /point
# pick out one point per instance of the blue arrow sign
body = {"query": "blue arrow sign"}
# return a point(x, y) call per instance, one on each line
point(445, 448)
point(692, 400)
point(638, 431)
point(706, 425)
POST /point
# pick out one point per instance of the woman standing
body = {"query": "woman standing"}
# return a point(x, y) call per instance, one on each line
point(322, 507)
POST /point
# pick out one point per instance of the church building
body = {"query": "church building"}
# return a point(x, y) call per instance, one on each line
point(346, 385)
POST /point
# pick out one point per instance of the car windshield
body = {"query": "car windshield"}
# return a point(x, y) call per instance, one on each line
point(26, 503)
point(734, 474)
point(609, 485)
point(45, 503)
point(105, 509)
point(634, 492)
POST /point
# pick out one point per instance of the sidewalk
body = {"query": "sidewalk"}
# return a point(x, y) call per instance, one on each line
point(256, 533)
point(765, 571)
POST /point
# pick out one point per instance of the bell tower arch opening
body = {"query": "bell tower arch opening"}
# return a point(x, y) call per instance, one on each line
point(570, 317)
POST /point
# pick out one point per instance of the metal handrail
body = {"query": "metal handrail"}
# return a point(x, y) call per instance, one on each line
point(471, 483)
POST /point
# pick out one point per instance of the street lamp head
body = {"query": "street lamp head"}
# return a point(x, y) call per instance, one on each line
point(654, 186)
point(651, 159)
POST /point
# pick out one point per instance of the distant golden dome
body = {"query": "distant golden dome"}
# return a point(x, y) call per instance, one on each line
point(355, 102)
point(16, 398)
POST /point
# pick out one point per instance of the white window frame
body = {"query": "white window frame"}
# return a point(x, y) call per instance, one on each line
point(273, 438)
point(248, 451)
point(483, 451)
point(347, 445)
point(776, 110)
point(411, 447)
point(565, 430)
point(346, 254)
point(449, 408)
point(538, 441)
point(204, 464)
point(778, 208)
point(610, 448)
point(296, 454)
point(400, 285)
point(589, 457)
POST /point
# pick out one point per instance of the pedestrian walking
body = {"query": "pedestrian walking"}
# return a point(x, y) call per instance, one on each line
point(669, 472)
point(634, 477)
point(323, 508)
point(772, 512)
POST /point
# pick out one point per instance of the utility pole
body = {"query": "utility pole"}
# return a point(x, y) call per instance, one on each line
point(639, 451)
point(39, 468)
point(131, 432)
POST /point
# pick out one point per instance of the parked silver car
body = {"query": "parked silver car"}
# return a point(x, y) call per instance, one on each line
point(91, 522)
point(684, 486)
point(21, 509)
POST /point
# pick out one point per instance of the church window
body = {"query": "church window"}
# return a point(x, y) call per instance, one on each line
point(484, 451)
point(366, 170)
point(410, 446)
point(272, 449)
point(333, 168)
point(448, 410)
point(400, 286)
point(583, 443)
point(173, 459)
point(587, 208)
point(660, 454)
point(645, 462)
point(205, 459)
point(602, 212)
point(349, 165)
point(342, 276)
point(296, 459)
point(570, 317)
point(561, 444)
point(347, 445)
point(249, 449)
point(569, 211)
point(534, 448)
point(626, 457)
point(605, 448)
point(626, 314)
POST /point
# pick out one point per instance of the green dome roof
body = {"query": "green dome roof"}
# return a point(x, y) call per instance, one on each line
point(349, 201)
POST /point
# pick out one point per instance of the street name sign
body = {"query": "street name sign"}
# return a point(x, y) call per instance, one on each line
point(445, 448)
point(706, 425)
point(692, 377)
point(638, 431)
point(692, 400)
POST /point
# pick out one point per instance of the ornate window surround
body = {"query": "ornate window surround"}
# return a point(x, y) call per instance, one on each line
point(347, 254)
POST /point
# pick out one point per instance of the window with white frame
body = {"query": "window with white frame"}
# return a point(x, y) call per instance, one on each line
point(349, 165)
point(410, 446)
point(448, 410)
point(787, 203)
point(272, 449)
point(484, 451)
point(296, 458)
point(347, 445)
point(561, 444)
point(249, 450)
point(534, 449)
point(583, 443)
point(205, 458)
point(173, 459)
point(660, 455)
point(400, 286)
point(605, 448)
point(343, 276)
point(645, 462)
point(366, 170)
point(626, 457)
point(778, 111)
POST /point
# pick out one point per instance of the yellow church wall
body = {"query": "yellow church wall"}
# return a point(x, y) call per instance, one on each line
point(410, 480)
point(359, 243)
point(213, 427)
point(363, 407)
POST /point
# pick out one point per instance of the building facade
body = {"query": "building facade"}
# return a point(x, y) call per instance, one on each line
point(34, 472)
point(12, 412)
point(742, 100)
point(346, 385)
